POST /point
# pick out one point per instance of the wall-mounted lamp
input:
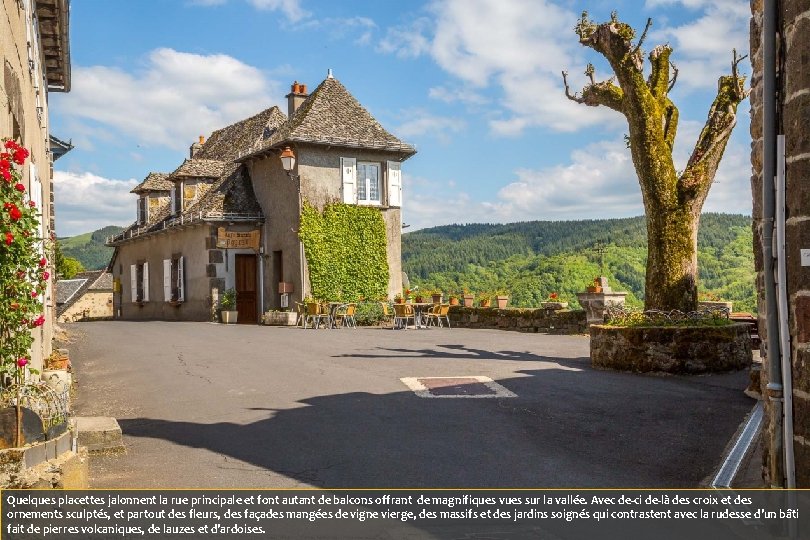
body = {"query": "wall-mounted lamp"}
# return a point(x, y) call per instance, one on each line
point(287, 159)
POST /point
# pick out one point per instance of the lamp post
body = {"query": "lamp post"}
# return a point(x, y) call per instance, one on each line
point(287, 157)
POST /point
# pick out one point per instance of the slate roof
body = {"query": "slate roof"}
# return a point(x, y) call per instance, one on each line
point(154, 181)
point(199, 168)
point(331, 115)
point(68, 291)
point(230, 142)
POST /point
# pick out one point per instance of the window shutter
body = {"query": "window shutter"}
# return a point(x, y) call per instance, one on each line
point(133, 281)
point(348, 167)
point(172, 201)
point(181, 281)
point(167, 280)
point(146, 282)
point(394, 183)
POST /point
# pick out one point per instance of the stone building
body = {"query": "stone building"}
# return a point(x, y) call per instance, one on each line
point(35, 50)
point(87, 296)
point(780, 130)
point(228, 217)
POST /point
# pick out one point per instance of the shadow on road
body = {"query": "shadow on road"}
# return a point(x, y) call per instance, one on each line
point(570, 426)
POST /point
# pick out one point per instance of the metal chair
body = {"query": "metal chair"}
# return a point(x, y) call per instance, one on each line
point(403, 312)
point(316, 314)
point(438, 313)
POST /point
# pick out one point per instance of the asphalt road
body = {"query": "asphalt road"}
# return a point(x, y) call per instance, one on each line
point(208, 405)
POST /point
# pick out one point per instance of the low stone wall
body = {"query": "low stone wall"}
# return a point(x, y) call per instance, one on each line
point(49, 464)
point(671, 349)
point(520, 319)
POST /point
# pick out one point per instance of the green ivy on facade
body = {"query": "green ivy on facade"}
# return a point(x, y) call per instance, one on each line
point(346, 251)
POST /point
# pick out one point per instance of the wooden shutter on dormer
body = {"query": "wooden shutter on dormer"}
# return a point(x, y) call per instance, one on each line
point(348, 168)
point(181, 281)
point(167, 280)
point(146, 282)
point(394, 183)
point(133, 281)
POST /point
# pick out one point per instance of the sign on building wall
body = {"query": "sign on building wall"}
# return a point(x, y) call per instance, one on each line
point(238, 240)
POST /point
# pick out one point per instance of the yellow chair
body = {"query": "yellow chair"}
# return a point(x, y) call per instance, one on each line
point(438, 313)
point(403, 312)
point(316, 314)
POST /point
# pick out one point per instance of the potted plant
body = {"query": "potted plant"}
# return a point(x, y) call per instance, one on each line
point(501, 299)
point(484, 299)
point(595, 287)
point(554, 302)
point(227, 306)
point(469, 298)
point(399, 298)
point(453, 299)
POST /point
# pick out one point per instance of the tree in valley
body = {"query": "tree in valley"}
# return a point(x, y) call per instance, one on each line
point(672, 200)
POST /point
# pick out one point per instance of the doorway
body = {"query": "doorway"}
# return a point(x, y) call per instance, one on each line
point(246, 289)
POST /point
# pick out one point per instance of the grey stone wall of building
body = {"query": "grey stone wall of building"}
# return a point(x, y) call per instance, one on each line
point(192, 244)
point(794, 102)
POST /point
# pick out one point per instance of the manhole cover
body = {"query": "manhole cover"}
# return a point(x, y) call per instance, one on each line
point(475, 386)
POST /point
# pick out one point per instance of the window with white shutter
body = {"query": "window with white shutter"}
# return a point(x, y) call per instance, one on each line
point(348, 168)
point(146, 282)
point(133, 281)
point(181, 280)
point(394, 183)
point(167, 280)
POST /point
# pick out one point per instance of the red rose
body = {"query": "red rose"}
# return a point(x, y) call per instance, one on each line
point(19, 187)
point(5, 164)
point(11, 144)
point(32, 204)
point(14, 213)
point(6, 175)
point(22, 361)
point(9, 238)
point(34, 294)
point(19, 156)
point(39, 321)
point(42, 262)
point(46, 275)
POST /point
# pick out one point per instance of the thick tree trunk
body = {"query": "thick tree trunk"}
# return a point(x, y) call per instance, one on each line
point(671, 281)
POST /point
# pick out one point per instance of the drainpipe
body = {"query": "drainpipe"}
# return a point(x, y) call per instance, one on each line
point(784, 333)
point(774, 388)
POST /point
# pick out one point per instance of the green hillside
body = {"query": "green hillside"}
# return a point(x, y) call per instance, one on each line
point(532, 259)
point(89, 248)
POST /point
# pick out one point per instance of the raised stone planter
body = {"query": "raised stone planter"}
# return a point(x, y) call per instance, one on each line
point(280, 318)
point(671, 349)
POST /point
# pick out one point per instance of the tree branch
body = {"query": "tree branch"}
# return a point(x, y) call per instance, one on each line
point(658, 82)
point(671, 116)
point(674, 77)
point(597, 93)
point(643, 37)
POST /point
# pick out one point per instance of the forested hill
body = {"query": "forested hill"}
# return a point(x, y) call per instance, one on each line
point(89, 248)
point(532, 259)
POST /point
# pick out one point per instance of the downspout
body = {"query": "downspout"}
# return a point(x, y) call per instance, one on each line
point(774, 388)
point(784, 333)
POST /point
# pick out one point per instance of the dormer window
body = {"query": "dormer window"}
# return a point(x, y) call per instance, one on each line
point(177, 197)
point(143, 210)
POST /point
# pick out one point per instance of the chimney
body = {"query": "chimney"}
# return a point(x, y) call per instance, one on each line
point(196, 147)
point(297, 95)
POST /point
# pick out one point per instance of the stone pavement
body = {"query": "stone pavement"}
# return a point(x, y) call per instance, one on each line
point(207, 405)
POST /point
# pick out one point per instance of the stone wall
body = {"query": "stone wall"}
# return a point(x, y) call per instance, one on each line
point(671, 349)
point(522, 320)
point(793, 110)
point(92, 305)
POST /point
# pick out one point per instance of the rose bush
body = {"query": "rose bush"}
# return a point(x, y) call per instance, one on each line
point(23, 274)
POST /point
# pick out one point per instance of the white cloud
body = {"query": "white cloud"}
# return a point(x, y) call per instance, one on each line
point(360, 28)
point(515, 45)
point(407, 41)
point(421, 122)
point(457, 95)
point(176, 97)
point(77, 197)
point(290, 8)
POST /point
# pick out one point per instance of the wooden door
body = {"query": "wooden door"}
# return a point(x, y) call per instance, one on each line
point(246, 289)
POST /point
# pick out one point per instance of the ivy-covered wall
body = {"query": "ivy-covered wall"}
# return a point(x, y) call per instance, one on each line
point(346, 251)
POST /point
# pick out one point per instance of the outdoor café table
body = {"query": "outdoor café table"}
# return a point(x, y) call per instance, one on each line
point(419, 309)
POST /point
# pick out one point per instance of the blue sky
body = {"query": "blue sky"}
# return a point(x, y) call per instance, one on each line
point(475, 85)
